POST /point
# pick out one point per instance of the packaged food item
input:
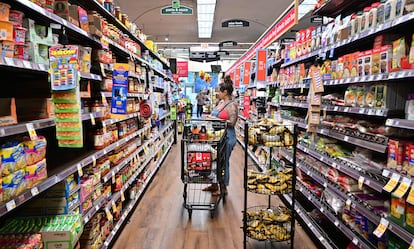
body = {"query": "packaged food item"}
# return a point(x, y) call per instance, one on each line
point(12, 157)
point(376, 60)
point(409, 217)
point(370, 96)
point(16, 17)
point(389, 10)
point(411, 53)
point(380, 95)
point(397, 209)
point(367, 62)
point(34, 150)
point(4, 11)
point(372, 16)
point(381, 12)
point(360, 96)
point(395, 154)
point(385, 58)
point(36, 173)
point(399, 8)
point(398, 51)
point(13, 184)
point(361, 64)
point(350, 96)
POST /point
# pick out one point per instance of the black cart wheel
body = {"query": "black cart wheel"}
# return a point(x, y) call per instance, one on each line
point(190, 212)
point(212, 214)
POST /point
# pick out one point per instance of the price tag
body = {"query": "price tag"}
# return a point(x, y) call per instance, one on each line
point(324, 113)
point(97, 207)
point(9, 61)
point(32, 131)
point(346, 109)
point(355, 241)
point(106, 244)
point(80, 171)
point(34, 191)
point(346, 138)
point(382, 227)
point(410, 198)
point(403, 188)
point(113, 177)
point(322, 209)
point(325, 184)
point(27, 64)
point(378, 112)
point(336, 108)
point(108, 214)
point(93, 161)
point(122, 196)
point(348, 203)
point(336, 223)
point(361, 111)
point(93, 122)
point(334, 165)
point(308, 172)
point(392, 183)
point(114, 207)
point(385, 173)
point(361, 182)
point(309, 198)
point(10, 205)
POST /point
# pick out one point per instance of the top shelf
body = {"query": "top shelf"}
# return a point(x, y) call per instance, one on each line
point(333, 8)
point(380, 28)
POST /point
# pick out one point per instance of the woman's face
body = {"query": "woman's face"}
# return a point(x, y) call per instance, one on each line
point(222, 94)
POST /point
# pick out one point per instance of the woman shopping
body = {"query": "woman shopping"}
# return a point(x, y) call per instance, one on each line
point(227, 109)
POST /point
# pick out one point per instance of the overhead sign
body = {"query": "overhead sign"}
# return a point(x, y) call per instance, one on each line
point(182, 68)
point(246, 72)
point(204, 56)
point(182, 10)
point(261, 69)
point(317, 19)
point(227, 44)
point(287, 40)
point(235, 23)
point(286, 21)
point(237, 77)
point(222, 53)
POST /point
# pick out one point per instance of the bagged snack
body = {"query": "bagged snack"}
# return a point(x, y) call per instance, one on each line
point(13, 184)
point(12, 157)
point(36, 173)
point(34, 150)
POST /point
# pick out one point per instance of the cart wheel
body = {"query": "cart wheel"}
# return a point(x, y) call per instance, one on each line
point(190, 212)
point(212, 214)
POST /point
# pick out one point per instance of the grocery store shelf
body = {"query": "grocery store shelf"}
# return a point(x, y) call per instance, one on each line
point(98, 204)
point(380, 28)
point(332, 8)
point(354, 173)
point(295, 86)
point(400, 123)
point(310, 224)
point(126, 117)
point(325, 210)
point(39, 124)
point(294, 104)
point(356, 141)
point(357, 110)
point(56, 19)
point(260, 167)
point(165, 116)
point(359, 79)
point(23, 64)
point(275, 104)
point(401, 74)
point(299, 124)
point(131, 206)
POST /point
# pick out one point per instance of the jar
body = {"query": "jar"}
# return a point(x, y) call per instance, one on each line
point(372, 16)
point(365, 19)
point(380, 12)
point(114, 131)
point(122, 129)
point(389, 10)
point(98, 139)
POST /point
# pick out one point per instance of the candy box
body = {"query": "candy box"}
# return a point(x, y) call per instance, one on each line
point(6, 33)
point(7, 49)
point(83, 19)
point(12, 157)
point(86, 188)
point(4, 11)
point(13, 185)
point(36, 173)
point(16, 17)
point(397, 209)
point(38, 33)
point(385, 58)
point(395, 154)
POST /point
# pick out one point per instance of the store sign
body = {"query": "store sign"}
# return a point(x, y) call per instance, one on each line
point(246, 72)
point(227, 44)
point(261, 69)
point(317, 19)
point(284, 23)
point(287, 40)
point(182, 10)
point(237, 77)
point(235, 23)
point(246, 106)
point(182, 68)
point(204, 56)
point(222, 53)
point(119, 89)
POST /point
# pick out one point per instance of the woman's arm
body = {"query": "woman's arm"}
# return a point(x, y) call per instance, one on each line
point(233, 111)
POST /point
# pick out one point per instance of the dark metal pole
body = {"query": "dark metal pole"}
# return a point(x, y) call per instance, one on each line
point(246, 142)
point(295, 142)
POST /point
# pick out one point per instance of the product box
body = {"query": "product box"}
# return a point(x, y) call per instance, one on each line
point(385, 58)
point(397, 209)
point(347, 65)
point(340, 67)
point(74, 14)
point(395, 154)
point(85, 59)
point(60, 239)
point(38, 33)
point(7, 49)
point(64, 188)
point(361, 64)
point(376, 60)
point(398, 52)
point(83, 19)
point(38, 53)
point(7, 111)
point(35, 173)
point(34, 108)
point(380, 95)
point(354, 64)
point(95, 24)
point(367, 62)
point(61, 8)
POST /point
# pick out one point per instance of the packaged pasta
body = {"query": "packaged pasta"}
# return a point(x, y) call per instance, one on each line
point(13, 184)
point(34, 150)
point(12, 157)
point(36, 173)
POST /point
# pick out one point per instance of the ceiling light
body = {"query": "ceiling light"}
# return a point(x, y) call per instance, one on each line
point(205, 17)
point(166, 38)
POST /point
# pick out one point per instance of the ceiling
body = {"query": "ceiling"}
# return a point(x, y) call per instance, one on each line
point(182, 31)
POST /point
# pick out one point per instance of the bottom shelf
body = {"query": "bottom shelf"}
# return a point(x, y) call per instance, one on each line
point(117, 228)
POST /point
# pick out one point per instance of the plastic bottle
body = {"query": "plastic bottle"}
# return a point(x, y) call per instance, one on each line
point(372, 16)
point(389, 10)
point(380, 12)
point(365, 19)
point(399, 8)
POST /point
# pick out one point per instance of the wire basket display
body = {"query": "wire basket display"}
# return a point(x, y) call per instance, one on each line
point(270, 183)
point(271, 134)
point(268, 224)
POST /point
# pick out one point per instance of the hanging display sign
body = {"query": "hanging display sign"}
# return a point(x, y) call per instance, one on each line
point(227, 44)
point(119, 89)
point(173, 113)
point(237, 77)
point(261, 69)
point(64, 75)
point(182, 68)
point(235, 23)
point(246, 72)
point(182, 10)
point(246, 106)
point(286, 21)
point(232, 76)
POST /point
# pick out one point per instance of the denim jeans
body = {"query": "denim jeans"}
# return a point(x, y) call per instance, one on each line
point(231, 142)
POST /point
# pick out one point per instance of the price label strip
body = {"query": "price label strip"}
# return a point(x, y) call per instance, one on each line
point(392, 183)
point(403, 188)
point(34, 191)
point(382, 227)
point(361, 182)
point(10, 205)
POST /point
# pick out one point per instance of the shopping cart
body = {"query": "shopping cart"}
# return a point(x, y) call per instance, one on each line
point(203, 157)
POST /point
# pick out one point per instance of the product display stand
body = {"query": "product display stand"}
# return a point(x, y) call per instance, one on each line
point(269, 223)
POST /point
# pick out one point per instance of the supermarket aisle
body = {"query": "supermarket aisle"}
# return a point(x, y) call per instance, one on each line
point(160, 221)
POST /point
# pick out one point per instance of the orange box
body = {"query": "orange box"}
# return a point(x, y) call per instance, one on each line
point(6, 33)
point(4, 11)
point(361, 64)
point(376, 60)
point(367, 62)
point(347, 66)
point(7, 111)
point(7, 49)
point(354, 64)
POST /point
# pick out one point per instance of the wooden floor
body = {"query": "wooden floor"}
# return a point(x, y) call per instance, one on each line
point(161, 222)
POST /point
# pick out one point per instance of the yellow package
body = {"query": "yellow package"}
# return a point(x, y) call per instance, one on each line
point(13, 184)
point(36, 173)
point(12, 157)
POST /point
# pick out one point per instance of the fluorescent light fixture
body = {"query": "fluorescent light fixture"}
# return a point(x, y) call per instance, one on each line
point(305, 7)
point(205, 17)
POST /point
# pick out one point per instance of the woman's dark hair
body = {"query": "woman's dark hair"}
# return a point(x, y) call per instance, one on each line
point(227, 85)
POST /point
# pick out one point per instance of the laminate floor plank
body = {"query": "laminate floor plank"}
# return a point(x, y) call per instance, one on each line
point(160, 221)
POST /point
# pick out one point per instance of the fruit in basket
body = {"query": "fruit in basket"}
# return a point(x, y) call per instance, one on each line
point(268, 224)
point(271, 183)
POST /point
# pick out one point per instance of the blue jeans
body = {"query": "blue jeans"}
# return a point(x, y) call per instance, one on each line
point(231, 142)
